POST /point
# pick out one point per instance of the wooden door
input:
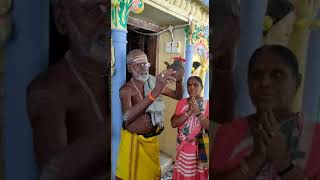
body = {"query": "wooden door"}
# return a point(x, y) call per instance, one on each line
point(146, 43)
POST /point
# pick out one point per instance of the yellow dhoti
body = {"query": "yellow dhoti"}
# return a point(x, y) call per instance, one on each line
point(138, 158)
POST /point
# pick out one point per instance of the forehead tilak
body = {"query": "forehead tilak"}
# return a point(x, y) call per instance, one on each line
point(138, 59)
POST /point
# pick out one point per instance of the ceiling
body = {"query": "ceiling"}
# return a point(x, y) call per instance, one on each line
point(157, 16)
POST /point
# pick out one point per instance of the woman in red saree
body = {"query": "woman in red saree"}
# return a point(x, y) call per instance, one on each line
point(274, 142)
point(191, 119)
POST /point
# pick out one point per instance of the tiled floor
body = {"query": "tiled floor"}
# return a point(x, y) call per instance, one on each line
point(168, 174)
point(166, 167)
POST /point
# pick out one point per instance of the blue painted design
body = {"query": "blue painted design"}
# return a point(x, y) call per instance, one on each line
point(187, 68)
point(311, 96)
point(119, 42)
point(206, 86)
point(206, 32)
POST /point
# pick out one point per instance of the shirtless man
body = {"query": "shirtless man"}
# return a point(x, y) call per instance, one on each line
point(139, 130)
point(68, 103)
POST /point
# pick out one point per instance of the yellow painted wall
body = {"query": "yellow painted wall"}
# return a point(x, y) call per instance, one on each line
point(168, 137)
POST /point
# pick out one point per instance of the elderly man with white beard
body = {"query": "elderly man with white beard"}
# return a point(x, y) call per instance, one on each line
point(68, 104)
point(142, 107)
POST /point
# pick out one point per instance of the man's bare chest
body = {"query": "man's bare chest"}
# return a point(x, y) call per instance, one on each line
point(136, 94)
point(85, 113)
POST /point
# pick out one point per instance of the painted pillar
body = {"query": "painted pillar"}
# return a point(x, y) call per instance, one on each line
point(119, 43)
point(197, 49)
point(311, 98)
point(187, 68)
point(251, 19)
point(206, 86)
point(119, 18)
point(304, 24)
point(203, 74)
point(26, 55)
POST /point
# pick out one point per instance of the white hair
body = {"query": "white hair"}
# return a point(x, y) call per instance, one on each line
point(136, 56)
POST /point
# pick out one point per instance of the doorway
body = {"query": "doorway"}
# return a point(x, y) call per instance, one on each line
point(146, 43)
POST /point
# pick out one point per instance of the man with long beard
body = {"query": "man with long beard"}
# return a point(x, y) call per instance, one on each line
point(68, 103)
point(142, 107)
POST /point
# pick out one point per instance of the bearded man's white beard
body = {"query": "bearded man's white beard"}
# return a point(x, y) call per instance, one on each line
point(140, 77)
point(143, 78)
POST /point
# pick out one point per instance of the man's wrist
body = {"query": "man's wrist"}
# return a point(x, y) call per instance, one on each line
point(151, 97)
point(155, 93)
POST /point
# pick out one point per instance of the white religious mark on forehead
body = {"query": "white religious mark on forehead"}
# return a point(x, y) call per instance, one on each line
point(140, 59)
point(137, 59)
